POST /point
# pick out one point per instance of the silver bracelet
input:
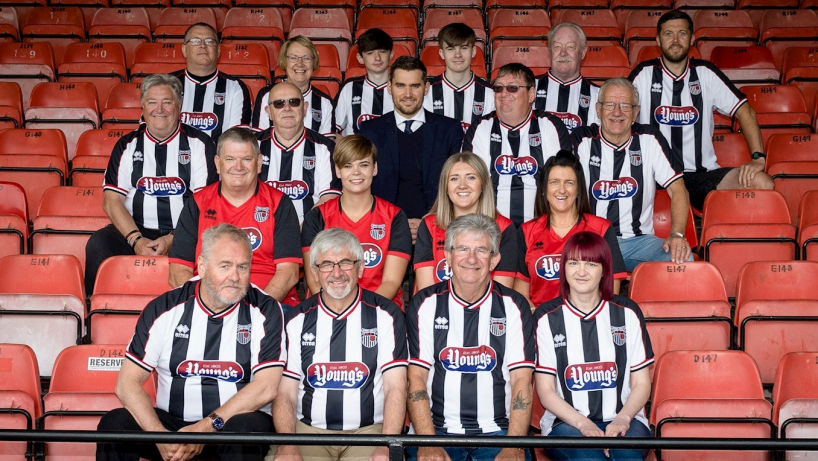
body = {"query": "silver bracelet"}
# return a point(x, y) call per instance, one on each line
point(677, 234)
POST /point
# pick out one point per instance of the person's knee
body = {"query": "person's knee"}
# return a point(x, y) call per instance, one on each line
point(763, 181)
point(118, 419)
point(249, 422)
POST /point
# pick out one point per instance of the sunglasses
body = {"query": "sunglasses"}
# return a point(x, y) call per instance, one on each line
point(280, 103)
point(510, 88)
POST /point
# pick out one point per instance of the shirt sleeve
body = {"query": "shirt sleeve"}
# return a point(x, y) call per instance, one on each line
point(522, 248)
point(420, 336)
point(725, 97)
point(204, 172)
point(546, 354)
point(149, 339)
point(424, 256)
point(260, 119)
point(286, 233)
point(272, 345)
point(342, 122)
point(325, 180)
point(393, 351)
point(293, 369)
point(400, 240)
point(520, 342)
point(507, 267)
point(639, 81)
point(239, 112)
point(668, 164)
point(186, 235)
point(118, 173)
point(640, 351)
point(313, 224)
point(327, 127)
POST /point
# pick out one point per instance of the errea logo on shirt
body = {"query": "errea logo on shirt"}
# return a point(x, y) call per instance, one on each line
point(559, 340)
point(182, 332)
point(441, 323)
point(308, 340)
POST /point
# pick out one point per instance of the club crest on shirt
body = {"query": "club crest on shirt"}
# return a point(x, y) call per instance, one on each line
point(204, 121)
point(261, 214)
point(591, 376)
point(477, 107)
point(161, 186)
point(695, 88)
point(317, 115)
point(184, 157)
point(534, 139)
point(255, 237)
point(243, 333)
point(618, 335)
point(523, 166)
point(497, 326)
point(230, 372)
point(295, 189)
point(635, 157)
point(570, 120)
point(468, 359)
point(372, 255)
point(623, 187)
point(308, 163)
point(218, 98)
point(442, 271)
point(369, 337)
point(365, 118)
point(337, 375)
point(548, 267)
point(584, 100)
point(377, 231)
point(676, 116)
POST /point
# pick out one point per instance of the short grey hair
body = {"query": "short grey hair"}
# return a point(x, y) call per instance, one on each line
point(239, 135)
point(622, 83)
point(161, 79)
point(583, 42)
point(213, 234)
point(474, 223)
point(335, 239)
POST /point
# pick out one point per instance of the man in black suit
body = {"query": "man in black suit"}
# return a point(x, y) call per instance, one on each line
point(412, 143)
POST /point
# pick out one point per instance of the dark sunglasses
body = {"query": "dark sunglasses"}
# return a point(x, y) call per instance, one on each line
point(292, 102)
point(510, 88)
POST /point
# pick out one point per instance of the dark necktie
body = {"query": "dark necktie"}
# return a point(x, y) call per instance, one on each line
point(407, 127)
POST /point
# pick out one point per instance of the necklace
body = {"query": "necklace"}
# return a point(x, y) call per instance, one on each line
point(564, 227)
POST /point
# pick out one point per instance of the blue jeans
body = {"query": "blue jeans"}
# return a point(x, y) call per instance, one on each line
point(637, 429)
point(643, 248)
point(466, 454)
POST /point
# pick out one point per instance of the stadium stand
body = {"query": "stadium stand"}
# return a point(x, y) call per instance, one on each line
point(792, 162)
point(399, 23)
point(261, 25)
point(731, 150)
point(746, 65)
point(129, 27)
point(56, 25)
point(599, 25)
point(778, 108)
point(9, 24)
point(780, 29)
point(174, 22)
point(156, 58)
point(26, 64)
point(722, 28)
point(93, 152)
point(249, 63)
point(122, 109)
point(34, 159)
point(70, 107)
point(517, 28)
point(799, 68)
point(102, 64)
point(324, 25)
point(640, 31)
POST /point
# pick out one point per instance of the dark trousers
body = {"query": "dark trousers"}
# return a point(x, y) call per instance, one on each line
point(105, 243)
point(122, 420)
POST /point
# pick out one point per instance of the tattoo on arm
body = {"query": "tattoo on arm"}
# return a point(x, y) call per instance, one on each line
point(418, 396)
point(520, 403)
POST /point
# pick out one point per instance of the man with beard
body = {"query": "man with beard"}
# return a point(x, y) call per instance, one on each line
point(263, 212)
point(412, 143)
point(679, 94)
point(563, 91)
point(347, 357)
point(217, 346)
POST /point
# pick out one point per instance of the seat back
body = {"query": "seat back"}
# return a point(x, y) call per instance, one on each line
point(156, 58)
point(599, 25)
point(796, 377)
point(20, 373)
point(9, 24)
point(324, 25)
point(662, 219)
point(746, 207)
point(724, 27)
point(57, 25)
point(26, 64)
point(13, 219)
point(746, 64)
point(126, 26)
point(11, 105)
point(604, 62)
point(34, 159)
point(792, 161)
point(808, 226)
point(640, 31)
point(122, 108)
point(174, 22)
point(777, 280)
point(112, 317)
point(70, 107)
point(136, 275)
point(102, 64)
point(731, 150)
point(780, 29)
point(42, 274)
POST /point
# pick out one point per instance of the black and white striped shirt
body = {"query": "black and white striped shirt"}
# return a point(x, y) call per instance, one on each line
point(358, 101)
point(202, 358)
point(466, 104)
point(572, 102)
point(470, 351)
point(157, 177)
point(622, 179)
point(515, 155)
point(339, 359)
point(682, 107)
point(303, 172)
point(214, 105)
point(592, 355)
point(318, 117)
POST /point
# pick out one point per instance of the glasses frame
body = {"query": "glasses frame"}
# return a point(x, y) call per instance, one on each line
point(625, 107)
point(510, 88)
point(208, 42)
point(464, 251)
point(291, 102)
point(331, 266)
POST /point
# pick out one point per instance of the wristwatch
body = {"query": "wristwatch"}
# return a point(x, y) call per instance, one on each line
point(757, 155)
point(216, 421)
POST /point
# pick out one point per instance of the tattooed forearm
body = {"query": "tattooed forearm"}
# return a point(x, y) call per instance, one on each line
point(520, 403)
point(418, 396)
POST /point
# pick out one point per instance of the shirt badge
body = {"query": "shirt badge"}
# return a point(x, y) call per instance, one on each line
point(261, 214)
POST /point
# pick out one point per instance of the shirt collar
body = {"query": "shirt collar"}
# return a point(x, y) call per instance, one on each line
point(419, 117)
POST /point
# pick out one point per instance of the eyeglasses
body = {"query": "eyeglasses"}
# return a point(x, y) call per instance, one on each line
point(292, 102)
point(623, 106)
point(510, 88)
point(463, 250)
point(294, 59)
point(329, 266)
point(196, 41)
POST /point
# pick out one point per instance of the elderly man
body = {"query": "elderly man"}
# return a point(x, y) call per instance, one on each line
point(563, 91)
point(346, 357)
point(151, 174)
point(516, 141)
point(264, 213)
point(680, 95)
point(217, 347)
point(623, 161)
point(471, 349)
point(214, 101)
point(296, 160)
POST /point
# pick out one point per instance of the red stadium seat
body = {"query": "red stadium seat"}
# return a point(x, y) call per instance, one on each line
point(746, 65)
point(261, 25)
point(122, 108)
point(247, 62)
point(647, 53)
point(623, 8)
point(9, 24)
point(513, 26)
point(324, 25)
point(11, 105)
point(129, 27)
point(88, 7)
point(70, 107)
point(102, 64)
point(776, 311)
point(400, 23)
point(27, 64)
point(57, 25)
point(741, 226)
point(495, 6)
point(795, 400)
point(413, 5)
point(662, 219)
point(23, 7)
point(153, 7)
point(536, 55)
point(778, 108)
point(604, 62)
point(599, 25)
point(685, 306)
point(66, 218)
point(156, 58)
point(726, 27)
point(285, 9)
point(557, 7)
point(808, 226)
point(757, 8)
point(781, 29)
point(731, 150)
point(640, 31)
point(438, 18)
point(219, 7)
point(174, 22)
point(93, 152)
point(13, 219)
point(349, 7)
point(19, 396)
point(800, 69)
point(436, 66)
point(34, 159)
point(792, 162)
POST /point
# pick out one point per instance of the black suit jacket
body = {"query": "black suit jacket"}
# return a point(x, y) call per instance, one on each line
point(442, 137)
